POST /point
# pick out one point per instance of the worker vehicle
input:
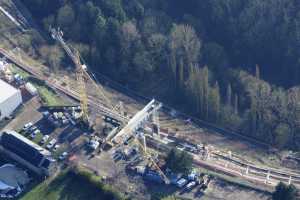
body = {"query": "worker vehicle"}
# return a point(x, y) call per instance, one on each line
point(45, 139)
point(27, 126)
point(51, 144)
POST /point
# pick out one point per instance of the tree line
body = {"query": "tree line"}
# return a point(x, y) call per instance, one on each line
point(233, 63)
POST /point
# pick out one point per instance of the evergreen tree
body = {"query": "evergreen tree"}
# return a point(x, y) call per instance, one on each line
point(284, 192)
point(184, 48)
point(205, 86)
point(179, 161)
point(229, 95)
point(214, 103)
point(257, 72)
point(236, 104)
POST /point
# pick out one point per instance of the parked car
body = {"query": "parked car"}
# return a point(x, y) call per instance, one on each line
point(51, 144)
point(46, 114)
point(56, 147)
point(192, 176)
point(65, 121)
point(27, 126)
point(181, 182)
point(32, 128)
point(63, 156)
point(190, 186)
point(45, 139)
point(93, 144)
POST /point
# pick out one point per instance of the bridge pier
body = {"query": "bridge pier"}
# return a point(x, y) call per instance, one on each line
point(230, 154)
point(144, 143)
point(290, 180)
point(267, 178)
point(226, 164)
point(208, 155)
point(155, 119)
point(247, 170)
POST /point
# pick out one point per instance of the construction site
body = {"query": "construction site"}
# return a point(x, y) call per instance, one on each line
point(124, 137)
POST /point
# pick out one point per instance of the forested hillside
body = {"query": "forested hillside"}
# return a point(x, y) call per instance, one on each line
point(235, 63)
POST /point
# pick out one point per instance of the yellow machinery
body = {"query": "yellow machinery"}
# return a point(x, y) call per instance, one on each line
point(82, 90)
point(82, 77)
point(149, 157)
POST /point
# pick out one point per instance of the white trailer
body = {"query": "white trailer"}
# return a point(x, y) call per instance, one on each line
point(31, 89)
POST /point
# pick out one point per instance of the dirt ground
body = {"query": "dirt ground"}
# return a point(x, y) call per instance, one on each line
point(245, 150)
point(134, 185)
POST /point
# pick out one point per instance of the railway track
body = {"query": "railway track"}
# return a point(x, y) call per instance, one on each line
point(57, 86)
point(261, 171)
point(234, 166)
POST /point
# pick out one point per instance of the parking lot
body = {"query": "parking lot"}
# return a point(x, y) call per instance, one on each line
point(38, 124)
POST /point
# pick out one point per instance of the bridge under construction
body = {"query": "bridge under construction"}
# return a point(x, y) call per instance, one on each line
point(222, 161)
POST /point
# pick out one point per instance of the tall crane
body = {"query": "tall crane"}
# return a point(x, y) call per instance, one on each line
point(80, 71)
point(82, 76)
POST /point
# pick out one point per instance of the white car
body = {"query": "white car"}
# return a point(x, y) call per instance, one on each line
point(27, 126)
point(45, 139)
point(51, 144)
point(63, 156)
point(56, 147)
point(37, 131)
point(94, 144)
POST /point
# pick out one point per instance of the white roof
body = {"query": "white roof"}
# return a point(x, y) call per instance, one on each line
point(6, 90)
point(4, 186)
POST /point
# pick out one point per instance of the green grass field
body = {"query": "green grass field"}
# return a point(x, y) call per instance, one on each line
point(49, 97)
point(67, 186)
point(17, 70)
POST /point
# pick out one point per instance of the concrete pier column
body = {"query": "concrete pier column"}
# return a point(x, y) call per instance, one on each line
point(267, 178)
point(247, 170)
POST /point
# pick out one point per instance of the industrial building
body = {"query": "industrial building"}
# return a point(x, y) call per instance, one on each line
point(27, 153)
point(10, 99)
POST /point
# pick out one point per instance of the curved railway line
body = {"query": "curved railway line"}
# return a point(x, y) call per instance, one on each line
point(219, 161)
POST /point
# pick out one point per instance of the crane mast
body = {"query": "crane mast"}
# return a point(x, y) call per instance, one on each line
point(83, 76)
point(80, 71)
point(83, 94)
point(148, 155)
